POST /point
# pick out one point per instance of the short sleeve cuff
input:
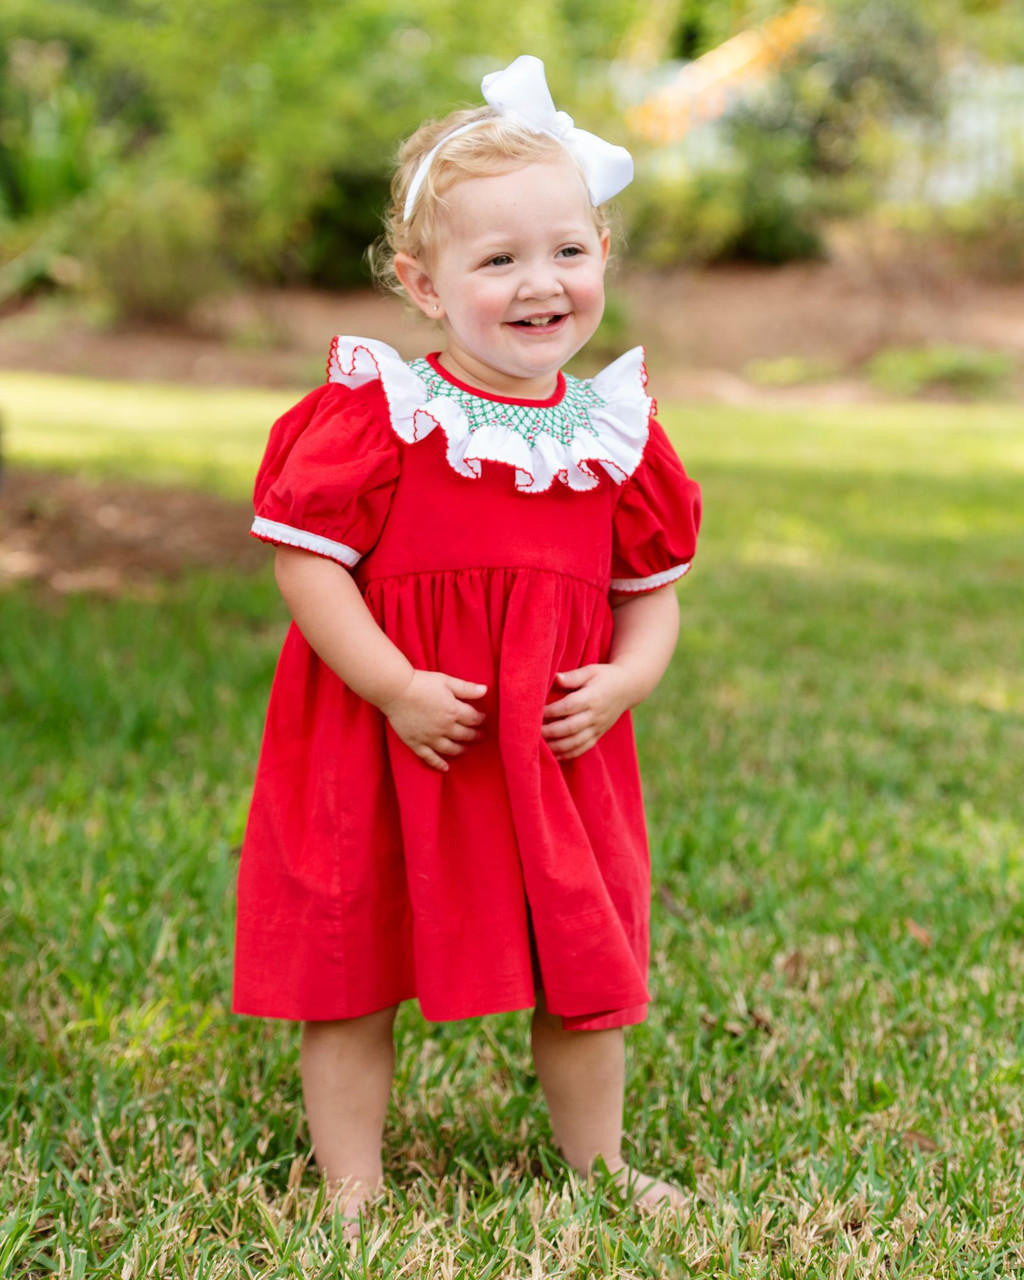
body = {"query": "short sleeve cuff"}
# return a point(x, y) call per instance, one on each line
point(273, 531)
point(652, 582)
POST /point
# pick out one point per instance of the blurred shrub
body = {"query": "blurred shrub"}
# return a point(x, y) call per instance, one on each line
point(986, 235)
point(52, 141)
point(759, 211)
point(790, 371)
point(967, 371)
point(339, 227)
point(54, 147)
point(692, 219)
point(809, 146)
point(267, 130)
point(816, 136)
point(778, 202)
point(149, 244)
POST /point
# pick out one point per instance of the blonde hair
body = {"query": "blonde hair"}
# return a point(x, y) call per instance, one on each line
point(496, 145)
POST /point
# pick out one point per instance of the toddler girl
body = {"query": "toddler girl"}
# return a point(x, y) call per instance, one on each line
point(478, 553)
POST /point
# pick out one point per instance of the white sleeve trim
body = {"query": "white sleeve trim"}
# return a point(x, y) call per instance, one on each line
point(275, 532)
point(649, 584)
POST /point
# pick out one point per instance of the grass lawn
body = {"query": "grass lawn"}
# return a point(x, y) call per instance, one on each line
point(834, 1063)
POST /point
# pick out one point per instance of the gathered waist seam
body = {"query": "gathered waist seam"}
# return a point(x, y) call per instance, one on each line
point(600, 588)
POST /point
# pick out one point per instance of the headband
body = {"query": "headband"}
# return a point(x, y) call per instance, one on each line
point(520, 93)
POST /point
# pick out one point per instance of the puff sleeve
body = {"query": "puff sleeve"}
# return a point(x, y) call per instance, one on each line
point(654, 532)
point(328, 474)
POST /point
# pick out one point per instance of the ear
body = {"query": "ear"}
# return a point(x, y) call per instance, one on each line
point(417, 282)
point(606, 243)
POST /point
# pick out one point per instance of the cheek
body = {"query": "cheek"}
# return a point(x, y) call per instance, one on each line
point(483, 305)
point(493, 296)
point(590, 291)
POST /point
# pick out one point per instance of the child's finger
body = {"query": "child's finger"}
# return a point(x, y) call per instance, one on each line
point(468, 715)
point(463, 733)
point(429, 756)
point(573, 679)
point(465, 688)
point(566, 728)
point(582, 737)
point(566, 706)
point(573, 747)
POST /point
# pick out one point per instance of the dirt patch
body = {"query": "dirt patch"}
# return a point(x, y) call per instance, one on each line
point(109, 538)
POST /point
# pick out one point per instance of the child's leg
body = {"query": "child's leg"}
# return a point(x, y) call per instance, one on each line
point(583, 1076)
point(346, 1081)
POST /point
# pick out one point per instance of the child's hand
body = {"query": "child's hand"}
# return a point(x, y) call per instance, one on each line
point(433, 719)
point(601, 693)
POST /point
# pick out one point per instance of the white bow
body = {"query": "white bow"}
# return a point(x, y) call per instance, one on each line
point(521, 93)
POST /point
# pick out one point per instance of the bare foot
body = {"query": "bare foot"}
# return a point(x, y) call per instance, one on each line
point(350, 1198)
point(651, 1194)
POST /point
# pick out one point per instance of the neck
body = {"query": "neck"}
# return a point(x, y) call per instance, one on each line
point(492, 381)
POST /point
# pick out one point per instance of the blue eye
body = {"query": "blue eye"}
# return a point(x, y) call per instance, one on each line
point(570, 251)
point(499, 260)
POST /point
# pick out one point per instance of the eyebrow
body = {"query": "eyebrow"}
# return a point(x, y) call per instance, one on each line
point(495, 241)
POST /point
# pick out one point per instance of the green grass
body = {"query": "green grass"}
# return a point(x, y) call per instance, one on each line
point(834, 1063)
point(158, 433)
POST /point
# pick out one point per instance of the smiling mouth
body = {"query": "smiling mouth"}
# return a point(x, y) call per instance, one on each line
point(538, 322)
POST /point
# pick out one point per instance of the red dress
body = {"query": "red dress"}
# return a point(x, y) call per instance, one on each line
point(487, 536)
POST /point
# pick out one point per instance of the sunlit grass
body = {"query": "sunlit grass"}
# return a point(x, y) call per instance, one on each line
point(214, 436)
point(144, 430)
point(834, 1062)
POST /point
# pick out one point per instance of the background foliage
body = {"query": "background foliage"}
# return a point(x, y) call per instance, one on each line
point(153, 150)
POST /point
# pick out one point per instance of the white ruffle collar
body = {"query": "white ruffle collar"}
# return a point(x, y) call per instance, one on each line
point(603, 420)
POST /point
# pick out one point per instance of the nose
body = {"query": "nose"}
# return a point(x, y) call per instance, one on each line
point(539, 282)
